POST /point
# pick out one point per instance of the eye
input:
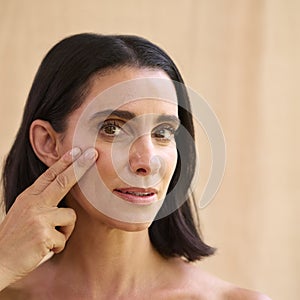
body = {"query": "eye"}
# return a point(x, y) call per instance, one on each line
point(111, 128)
point(163, 132)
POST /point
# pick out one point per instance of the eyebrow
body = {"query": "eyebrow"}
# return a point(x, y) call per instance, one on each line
point(169, 118)
point(128, 115)
point(122, 114)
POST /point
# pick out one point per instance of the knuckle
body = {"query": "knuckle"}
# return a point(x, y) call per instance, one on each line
point(80, 163)
point(42, 237)
point(72, 214)
point(59, 243)
point(50, 174)
point(84, 161)
point(62, 181)
point(48, 240)
point(43, 250)
point(47, 243)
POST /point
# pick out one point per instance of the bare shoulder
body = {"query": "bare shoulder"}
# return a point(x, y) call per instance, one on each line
point(237, 293)
point(204, 285)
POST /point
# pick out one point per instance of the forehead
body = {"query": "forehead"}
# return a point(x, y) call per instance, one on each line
point(141, 91)
point(152, 78)
point(130, 87)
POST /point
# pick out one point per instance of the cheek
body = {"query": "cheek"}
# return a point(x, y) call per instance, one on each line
point(104, 157)
point(170, 159)
point(104, 163)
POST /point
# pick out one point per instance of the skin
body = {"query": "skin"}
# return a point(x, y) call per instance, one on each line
point(104, 258)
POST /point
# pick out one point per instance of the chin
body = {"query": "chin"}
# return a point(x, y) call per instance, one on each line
point(124, 226)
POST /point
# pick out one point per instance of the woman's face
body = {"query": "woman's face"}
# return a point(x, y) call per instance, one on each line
point(130, 116)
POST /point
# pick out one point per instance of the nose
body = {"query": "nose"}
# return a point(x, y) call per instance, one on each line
point(143, 160)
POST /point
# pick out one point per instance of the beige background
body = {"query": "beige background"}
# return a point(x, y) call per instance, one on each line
point(243, 57)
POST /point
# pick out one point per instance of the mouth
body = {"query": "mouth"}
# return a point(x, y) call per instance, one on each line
point(137, 196)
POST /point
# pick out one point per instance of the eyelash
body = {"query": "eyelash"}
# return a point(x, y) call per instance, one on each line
point(167, 127)
point(109, 124)
point(156, 132)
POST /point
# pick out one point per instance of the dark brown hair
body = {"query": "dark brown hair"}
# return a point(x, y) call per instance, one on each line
point(59, 88)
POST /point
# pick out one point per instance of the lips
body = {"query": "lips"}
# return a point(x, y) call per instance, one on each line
point(137, 195)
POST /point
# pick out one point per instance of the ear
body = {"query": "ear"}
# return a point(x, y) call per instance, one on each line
point(44, 141)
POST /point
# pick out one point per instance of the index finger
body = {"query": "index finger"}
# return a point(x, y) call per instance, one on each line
point(64, 181)
point(52, 172)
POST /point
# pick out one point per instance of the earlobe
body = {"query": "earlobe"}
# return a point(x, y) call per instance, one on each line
point(44, 141)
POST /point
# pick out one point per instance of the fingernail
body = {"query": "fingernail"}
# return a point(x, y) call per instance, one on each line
point(90, 154)
point(75, 152)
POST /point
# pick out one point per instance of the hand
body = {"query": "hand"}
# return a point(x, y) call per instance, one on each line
point(28, 232)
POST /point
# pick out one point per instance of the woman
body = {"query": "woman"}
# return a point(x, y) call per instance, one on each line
point(142, 245)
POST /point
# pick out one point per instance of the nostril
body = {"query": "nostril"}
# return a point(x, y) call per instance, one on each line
point(141, 171)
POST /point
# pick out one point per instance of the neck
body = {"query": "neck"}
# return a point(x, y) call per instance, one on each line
point(108, 258)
